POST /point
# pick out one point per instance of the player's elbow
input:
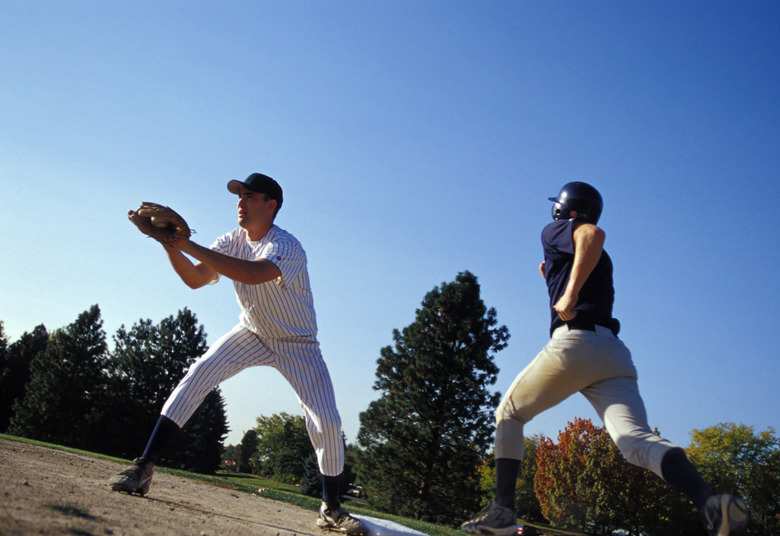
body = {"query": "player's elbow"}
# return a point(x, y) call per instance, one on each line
point(199, 279)
point(589, 234)
point(599, 236)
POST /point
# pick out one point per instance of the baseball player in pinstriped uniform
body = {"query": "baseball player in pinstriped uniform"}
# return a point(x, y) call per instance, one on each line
point(584, 354)
point(277, 328)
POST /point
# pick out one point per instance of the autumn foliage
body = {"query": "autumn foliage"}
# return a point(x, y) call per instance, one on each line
point(584, 482)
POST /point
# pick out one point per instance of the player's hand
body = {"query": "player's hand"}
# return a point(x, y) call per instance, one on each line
point(565, 307)
point(179, 244)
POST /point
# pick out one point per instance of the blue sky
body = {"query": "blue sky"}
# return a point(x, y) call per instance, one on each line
point(413, 140)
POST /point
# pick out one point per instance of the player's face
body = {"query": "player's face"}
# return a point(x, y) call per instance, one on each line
point(253, 209)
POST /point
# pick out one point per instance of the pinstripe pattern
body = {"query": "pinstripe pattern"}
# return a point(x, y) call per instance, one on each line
point(278, 329)
point(299, 361)
point(282, 308)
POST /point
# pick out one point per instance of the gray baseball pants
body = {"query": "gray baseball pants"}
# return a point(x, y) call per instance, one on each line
point(596, 364)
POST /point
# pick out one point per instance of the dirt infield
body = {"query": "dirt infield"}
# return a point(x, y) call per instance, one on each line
point(48, 491)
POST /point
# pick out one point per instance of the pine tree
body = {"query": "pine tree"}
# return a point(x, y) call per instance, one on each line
point(146, 365)
point(66, 386)
point(15, 361)
point(311, 481)
point(424, 437)
point(198, 447)
point(248, 450)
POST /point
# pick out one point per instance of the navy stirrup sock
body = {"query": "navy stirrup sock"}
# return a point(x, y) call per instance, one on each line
point(162, 434)
point(678, 471)
point(506, 481)
point(331, 495)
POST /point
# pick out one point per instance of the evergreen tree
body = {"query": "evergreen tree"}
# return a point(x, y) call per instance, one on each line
point(424, 437)
point(135, 390)
point(151, 359)
point(66, 386)
point(198, 447)
point(146, 365)
point(248, 450)
point(15, 363)
point(311, 481)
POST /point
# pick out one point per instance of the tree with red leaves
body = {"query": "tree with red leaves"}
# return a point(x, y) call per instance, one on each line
point(584, 482)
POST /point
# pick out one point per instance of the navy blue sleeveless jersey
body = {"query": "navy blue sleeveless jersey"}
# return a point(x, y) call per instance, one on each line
point(594, 305)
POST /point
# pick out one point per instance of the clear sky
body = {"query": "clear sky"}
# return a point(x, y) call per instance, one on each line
point(414, 140)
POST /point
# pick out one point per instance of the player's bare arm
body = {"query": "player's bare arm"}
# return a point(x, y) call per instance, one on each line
point(588, 246)
point(250, 272)
point(194, 275)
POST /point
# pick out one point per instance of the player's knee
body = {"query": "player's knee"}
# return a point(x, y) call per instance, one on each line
point(329, 425)
point(644, 450)
point(507, 411)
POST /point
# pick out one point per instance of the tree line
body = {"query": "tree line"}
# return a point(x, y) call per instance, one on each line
point(423, 447)
point(66, 387)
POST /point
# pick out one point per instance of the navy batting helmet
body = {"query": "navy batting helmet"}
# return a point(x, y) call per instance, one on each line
point(580, 197)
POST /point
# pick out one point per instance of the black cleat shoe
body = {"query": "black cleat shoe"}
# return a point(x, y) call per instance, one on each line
point(725, 515)
point(338, 520)
point(492, 520)
point(135, 479)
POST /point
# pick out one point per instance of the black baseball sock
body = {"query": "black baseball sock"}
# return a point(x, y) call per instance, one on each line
point(160, 437)
point(678, 471)
point(331, 487)
point(506, 481)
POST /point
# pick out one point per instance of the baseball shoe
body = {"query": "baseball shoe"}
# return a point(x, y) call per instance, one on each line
point(725, 515)
point(339, 520)
point(136, 478)
point(492, 520)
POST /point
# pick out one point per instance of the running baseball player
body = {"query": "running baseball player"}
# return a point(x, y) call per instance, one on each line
point(584, 354)
point(277, 328)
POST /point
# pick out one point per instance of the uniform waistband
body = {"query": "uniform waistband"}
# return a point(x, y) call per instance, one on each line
point(596, 328)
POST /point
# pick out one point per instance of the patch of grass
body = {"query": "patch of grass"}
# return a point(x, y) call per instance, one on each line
point(243, 479)
point(313, 503)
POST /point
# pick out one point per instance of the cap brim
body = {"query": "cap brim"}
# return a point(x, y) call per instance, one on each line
point(234, 186)
point(553, 199)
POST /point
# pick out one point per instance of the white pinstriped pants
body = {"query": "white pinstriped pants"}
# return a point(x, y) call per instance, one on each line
point(298, 360)
point(596, 364)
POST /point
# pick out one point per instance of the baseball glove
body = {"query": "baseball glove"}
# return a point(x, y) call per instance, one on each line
point(159, 222)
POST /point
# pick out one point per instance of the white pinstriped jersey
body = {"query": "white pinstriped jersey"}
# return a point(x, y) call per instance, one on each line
point(278, 309)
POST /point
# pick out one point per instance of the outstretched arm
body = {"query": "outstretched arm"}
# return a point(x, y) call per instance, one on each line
point(194, 275)
point(210, 263)
point(588, 246)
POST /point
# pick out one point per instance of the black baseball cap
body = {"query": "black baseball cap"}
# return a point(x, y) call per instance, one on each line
point(261, 184)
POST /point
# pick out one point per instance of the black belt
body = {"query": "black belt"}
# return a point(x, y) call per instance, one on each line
point(588, 326)
point(591, 326)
